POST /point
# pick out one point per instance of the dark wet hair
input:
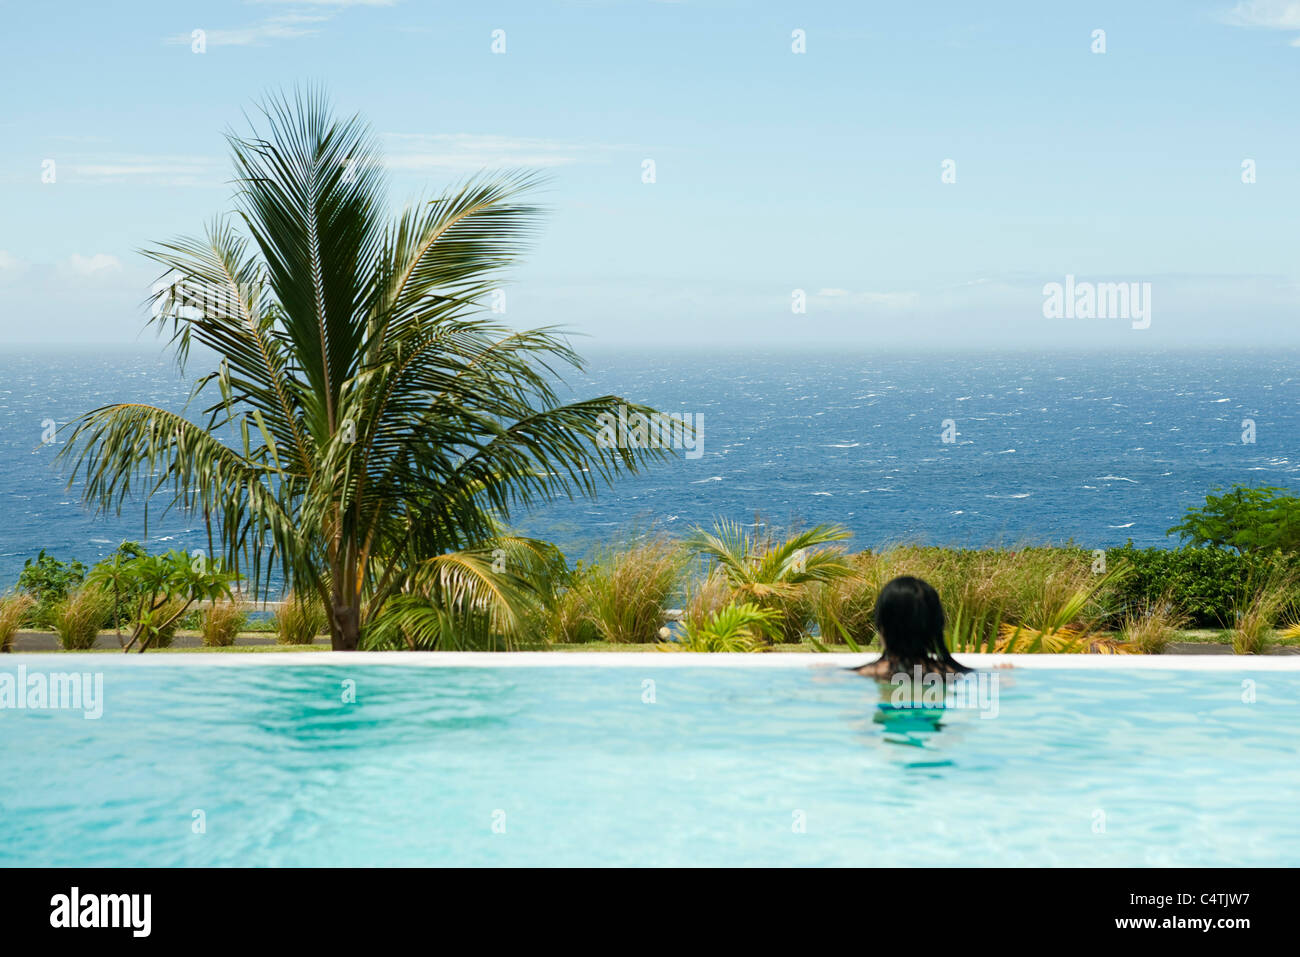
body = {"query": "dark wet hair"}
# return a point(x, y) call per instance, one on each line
point(909, 619)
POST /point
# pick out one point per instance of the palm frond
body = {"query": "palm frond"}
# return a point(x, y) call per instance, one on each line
point(311, 195)
point(461, 600)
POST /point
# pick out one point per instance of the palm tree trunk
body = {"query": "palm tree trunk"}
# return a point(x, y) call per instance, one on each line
point(345, 626)
point(344, 608)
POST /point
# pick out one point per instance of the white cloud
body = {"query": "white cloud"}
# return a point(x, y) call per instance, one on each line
point(1273, 14)
point(885, 300)
point(470, 151)
point(334, 3)
point(162, 170)
point(98, 264)
point(10, 266)
point(288, 26)
point(1267, 14)
point(284, 26)
point(405, 152)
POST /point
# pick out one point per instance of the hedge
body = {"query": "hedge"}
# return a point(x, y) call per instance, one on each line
point(1207, 583)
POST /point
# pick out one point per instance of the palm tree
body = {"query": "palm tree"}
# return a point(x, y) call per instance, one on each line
point(365, 428)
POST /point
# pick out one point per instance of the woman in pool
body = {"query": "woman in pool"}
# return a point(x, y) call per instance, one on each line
point(909, 619)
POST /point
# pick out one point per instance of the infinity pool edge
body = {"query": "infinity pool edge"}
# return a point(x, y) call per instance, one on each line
point(542, 659)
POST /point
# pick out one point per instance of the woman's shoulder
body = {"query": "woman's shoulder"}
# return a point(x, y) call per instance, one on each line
point(884, 669)
point(880, 668)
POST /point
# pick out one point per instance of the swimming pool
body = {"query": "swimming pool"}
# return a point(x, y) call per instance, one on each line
point(645, 760)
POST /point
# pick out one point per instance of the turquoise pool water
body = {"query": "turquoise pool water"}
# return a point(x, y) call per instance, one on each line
point(576, 765)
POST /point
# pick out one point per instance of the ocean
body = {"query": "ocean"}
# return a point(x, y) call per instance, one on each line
point(1096, 449)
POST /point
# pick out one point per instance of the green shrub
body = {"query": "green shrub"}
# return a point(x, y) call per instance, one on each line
point(159, 590)
point(116, 575)
point(1248, 519)
point(1043, 589)
point(169, 621)
point(503, 594)
point(1207, 584)
point(48, 581)
point(79, 617)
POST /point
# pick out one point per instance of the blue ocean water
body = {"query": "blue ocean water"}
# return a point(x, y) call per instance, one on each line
point(263, 765)
point(1095, 448)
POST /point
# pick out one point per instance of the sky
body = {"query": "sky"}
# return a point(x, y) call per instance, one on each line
point(826, 174)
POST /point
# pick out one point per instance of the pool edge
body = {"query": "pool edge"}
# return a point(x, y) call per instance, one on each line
point(603, 659)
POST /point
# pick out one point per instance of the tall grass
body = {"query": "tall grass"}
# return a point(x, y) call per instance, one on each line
point(1260, 605)
point(78, 618)
point(300, 618)
point(621, 597)
point(842, 609)
point(1031, 599)
point(705, 598)
point(1025, 600)
point(1149, 630)
point(13, 610)
point(569, 621)
point(221, 623)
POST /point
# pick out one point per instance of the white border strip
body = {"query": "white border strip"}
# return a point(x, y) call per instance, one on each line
point(636, 659)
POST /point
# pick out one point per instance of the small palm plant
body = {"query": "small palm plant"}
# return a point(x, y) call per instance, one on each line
point(771, 574)
point(495, 596)
point(704, 598)
point(741, 626)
